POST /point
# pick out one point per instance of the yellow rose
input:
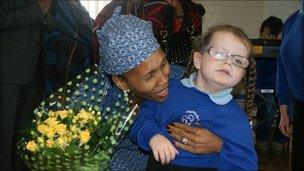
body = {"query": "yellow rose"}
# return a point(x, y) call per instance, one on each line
point(60, 129)
point(61, 141)
point(73, 128)
point(62, 113)
point(50, 143)
point(42, 128)
point(46, 130)
point(51, 122)
point(84, 136)
point(31, 146)
point(84, 115)
point(50, 132)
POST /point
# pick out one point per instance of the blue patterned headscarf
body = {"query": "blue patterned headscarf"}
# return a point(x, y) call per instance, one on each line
point(125, 42)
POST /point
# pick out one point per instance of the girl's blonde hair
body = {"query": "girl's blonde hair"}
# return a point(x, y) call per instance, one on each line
point(201, 43)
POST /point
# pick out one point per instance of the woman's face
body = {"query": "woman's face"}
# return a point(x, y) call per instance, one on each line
point(149, 80)
point(218, 74)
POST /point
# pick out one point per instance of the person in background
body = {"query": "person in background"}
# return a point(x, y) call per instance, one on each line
point(134, 61)
point(68, 47)
point(271, 29)
point(290, 84)
point(221, 59)
point(22, 70)
point(170, 19)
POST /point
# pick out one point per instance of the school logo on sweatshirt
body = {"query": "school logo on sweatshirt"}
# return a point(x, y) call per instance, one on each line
point(191, 118)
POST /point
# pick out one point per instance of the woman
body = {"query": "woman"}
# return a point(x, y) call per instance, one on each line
point(135, 62)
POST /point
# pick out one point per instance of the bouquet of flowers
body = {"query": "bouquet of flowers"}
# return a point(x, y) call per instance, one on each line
point(78, 127)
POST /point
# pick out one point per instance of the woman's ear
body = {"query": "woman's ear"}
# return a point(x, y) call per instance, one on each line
point(120, 82)
point(197, 58)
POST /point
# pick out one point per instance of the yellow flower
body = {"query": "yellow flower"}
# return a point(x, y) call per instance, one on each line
point(51, 113)
point(68, 138)
point(46, 130)
point(61, 141)
point(60, 129)
point(62, 113)
point(31, 146)
point(73, 128)
point(51, 122)
point(50, 143)
point(42, 128)
point(84, 115)
point(84, 136)
point(50, 132)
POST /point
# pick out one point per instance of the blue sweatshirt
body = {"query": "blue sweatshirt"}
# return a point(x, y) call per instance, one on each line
point(192, 106)
point(290, 71)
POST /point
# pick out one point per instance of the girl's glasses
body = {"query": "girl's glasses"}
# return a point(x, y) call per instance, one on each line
point(223, 54)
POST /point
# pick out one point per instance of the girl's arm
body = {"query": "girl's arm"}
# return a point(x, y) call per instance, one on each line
point(145, 126)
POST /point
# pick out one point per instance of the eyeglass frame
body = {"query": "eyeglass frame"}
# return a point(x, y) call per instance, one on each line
point(227, 56)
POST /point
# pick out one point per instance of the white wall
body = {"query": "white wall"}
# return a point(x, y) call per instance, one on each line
point(94, 6)
point(247, 15)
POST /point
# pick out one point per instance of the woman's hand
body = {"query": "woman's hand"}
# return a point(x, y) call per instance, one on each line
point(198, 140)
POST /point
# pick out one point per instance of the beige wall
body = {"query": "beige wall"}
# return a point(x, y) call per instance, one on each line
point(247, 15)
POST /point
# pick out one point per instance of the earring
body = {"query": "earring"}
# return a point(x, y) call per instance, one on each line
point(126, 95)
point(126, 92)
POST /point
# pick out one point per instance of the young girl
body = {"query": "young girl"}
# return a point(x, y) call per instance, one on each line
point(203, 100)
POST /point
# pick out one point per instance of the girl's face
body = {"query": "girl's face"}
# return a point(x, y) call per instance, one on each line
point(149, 80)
point(218, 74)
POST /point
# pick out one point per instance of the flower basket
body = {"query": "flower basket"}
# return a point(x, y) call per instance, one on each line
point(78, 127)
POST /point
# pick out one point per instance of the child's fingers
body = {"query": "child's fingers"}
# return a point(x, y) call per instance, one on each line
point(162, 157)
point(155, 154)
point(173, 152)
point(168, 155)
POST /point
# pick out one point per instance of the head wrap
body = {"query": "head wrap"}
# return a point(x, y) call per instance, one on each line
point(125, 42)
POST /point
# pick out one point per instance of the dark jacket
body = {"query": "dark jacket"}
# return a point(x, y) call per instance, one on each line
point(290, 73)
point(20, 28)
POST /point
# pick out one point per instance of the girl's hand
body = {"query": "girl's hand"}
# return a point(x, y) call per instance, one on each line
point(162, 148)
point(200, 140)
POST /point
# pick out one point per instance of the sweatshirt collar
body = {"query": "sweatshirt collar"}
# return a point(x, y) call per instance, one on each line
point(221, 97)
